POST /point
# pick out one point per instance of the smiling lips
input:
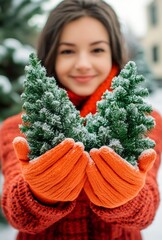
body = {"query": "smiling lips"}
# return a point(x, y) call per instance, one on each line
point(83, 79)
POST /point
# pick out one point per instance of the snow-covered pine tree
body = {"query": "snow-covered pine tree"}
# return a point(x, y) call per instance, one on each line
point(49, 116)
point(19, 29)
point(123, 118)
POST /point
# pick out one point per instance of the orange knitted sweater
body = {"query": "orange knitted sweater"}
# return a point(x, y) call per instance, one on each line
point(78, 220)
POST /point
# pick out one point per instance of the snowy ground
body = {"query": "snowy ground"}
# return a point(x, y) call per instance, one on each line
point(153, 232)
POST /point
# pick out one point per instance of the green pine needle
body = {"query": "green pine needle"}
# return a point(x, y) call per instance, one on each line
point(122, 120)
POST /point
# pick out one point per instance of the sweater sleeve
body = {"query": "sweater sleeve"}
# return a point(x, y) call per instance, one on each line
point(140, 211)
point(21, 209)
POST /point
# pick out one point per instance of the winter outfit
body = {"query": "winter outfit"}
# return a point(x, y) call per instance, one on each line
point(78, 209)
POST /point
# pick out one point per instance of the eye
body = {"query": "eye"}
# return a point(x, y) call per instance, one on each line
point(66, 51)
point(98, 50)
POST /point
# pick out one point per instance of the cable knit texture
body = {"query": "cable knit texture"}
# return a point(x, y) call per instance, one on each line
point(79, 219)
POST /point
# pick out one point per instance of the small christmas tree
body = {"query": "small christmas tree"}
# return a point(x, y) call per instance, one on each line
point(121, 122)
point(49, 116)
point(122, 119)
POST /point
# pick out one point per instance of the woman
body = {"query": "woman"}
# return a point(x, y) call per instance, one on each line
point(65, 193)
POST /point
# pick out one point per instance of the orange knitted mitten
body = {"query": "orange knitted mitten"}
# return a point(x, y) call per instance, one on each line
point(112, 181)
point(58, 174)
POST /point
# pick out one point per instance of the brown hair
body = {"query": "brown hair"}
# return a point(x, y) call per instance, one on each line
point(70, 10)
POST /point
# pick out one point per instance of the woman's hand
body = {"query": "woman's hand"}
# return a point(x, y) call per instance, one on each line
point(112, 181)
point(57, 175)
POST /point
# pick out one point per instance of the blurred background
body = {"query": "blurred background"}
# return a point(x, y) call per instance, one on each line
point(20, 24)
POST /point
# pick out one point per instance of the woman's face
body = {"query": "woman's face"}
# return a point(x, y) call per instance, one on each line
point(84, 56)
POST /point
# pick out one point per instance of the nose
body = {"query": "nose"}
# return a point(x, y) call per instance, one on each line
point(83, 62)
